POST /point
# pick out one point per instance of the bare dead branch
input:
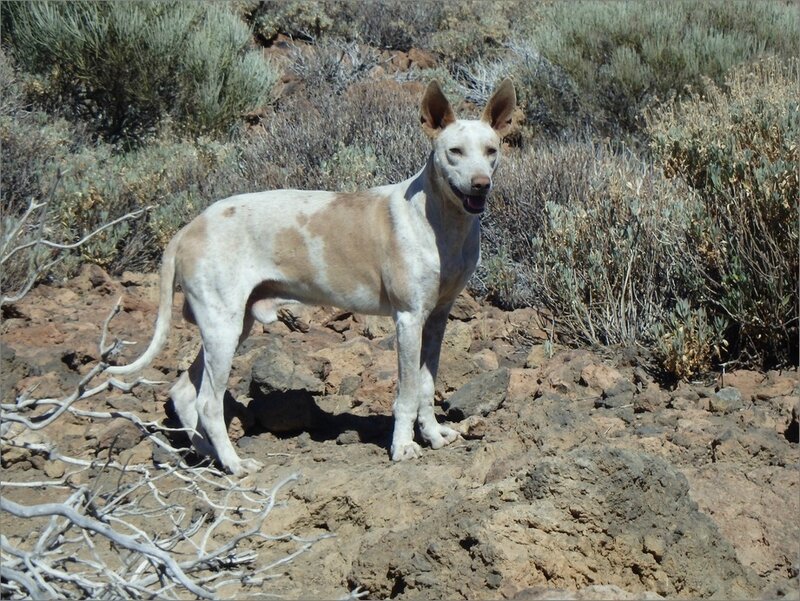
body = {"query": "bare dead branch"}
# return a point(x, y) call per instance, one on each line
point(131, 530)
point(31, 225)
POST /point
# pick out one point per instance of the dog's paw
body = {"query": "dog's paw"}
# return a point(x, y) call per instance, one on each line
point(245, 467)
point(441, 436)
point(408, 450)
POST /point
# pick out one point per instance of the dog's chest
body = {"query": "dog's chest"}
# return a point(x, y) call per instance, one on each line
point(457, 263)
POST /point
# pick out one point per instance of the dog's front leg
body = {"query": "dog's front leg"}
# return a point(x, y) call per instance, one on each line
point(437, 435)
point(406, 402)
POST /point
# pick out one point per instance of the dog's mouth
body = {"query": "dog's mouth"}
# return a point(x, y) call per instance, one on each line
point(474, 204)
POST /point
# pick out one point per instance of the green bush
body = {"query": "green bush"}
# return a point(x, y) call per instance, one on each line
point(366, 136)
point(332, 63)
point(301, 19)
point(175, 178)
point(87, 184)
point(623, 55)
point(619, 253)
point(125, 67)
point(597, 238)
point(472, 28)
point(739, 149)
point(687, 343)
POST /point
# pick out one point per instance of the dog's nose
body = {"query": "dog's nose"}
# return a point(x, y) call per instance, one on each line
point(481, 183)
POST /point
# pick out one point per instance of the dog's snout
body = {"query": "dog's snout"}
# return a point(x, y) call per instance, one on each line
point(481, 183)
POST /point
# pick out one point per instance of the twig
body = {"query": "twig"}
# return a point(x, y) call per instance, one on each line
point(128, 534)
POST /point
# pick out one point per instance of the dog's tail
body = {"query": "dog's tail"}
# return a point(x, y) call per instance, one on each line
point(167, 292)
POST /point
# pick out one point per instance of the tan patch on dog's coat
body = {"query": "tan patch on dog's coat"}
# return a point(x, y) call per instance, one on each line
point(192, 244)
point(354, 229)
point(291, 256)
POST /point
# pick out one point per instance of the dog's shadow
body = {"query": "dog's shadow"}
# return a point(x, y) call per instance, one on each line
point(288, 415)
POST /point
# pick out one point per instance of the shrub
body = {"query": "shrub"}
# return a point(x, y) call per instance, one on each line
point(622, 55)
point(687, 342)
point(548, 96)
point(126, 66)
point(471, 28)
point(94, 185)
point(394, 24)
point(88, 184)
point(597, 238)
point(28, 142)
point(332, 63)
point(390, 24)
point(739, 149)
point(311, 142)
point(457, 31)
point(175, 178)
point(301, 19)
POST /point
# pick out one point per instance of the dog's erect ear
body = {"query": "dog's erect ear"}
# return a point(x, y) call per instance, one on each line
point(500, 108)
point(435, 112)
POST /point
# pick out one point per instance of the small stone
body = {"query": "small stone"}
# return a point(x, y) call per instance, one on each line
point(161, 455)
point(141, 453)
point(479, 396)
point(277, 369)
point(494, 580)
point(247, 442)
point(125, 402)
point(349, 385)
point(537, 356)
point(486, 360)
point(121, 434)
point(619, 394)
point(348, 437)
point(523, 384)
point(651, 399)
point(654, 545)
point(725, 400)
point(55, 469)
point(472, 427)
point(601, 377)
point(465, 308)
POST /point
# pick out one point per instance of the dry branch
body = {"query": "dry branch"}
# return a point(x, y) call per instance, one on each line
point(139, 531)
point(27, 234)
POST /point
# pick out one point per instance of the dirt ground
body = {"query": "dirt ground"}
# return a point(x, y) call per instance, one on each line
point(578, 475)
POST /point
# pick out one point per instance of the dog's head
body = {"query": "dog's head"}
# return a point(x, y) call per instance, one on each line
point(466, 152)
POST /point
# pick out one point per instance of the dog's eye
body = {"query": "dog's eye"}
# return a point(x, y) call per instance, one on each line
point(456, 151)
point(491, 151)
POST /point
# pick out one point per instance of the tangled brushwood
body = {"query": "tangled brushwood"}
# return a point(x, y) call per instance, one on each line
point(129, 529)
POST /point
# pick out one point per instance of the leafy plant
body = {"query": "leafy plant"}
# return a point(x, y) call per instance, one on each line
point(687, 342)
point(597, 237)
point(739, 149)
point(623, 55)
point(125, 67)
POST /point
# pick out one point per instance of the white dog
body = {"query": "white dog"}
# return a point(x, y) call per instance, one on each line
point(405, 250)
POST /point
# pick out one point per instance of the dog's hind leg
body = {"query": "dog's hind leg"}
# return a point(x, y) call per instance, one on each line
point(184, 396)
point(184, 400)
point(437, 435)
point(219, 345)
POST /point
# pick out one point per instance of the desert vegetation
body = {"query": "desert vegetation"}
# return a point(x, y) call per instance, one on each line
point(670, 127)
point(648, 199)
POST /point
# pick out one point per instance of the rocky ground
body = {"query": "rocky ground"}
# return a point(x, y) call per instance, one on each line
point(578, 476)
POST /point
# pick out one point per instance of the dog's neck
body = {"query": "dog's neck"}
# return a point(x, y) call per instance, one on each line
point(447, 218)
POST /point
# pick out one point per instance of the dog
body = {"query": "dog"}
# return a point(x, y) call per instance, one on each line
point(405, 250)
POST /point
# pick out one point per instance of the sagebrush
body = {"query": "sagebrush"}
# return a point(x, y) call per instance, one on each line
point(648, 191)
point(124, 67)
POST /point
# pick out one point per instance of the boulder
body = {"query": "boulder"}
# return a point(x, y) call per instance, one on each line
point(480, 396)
